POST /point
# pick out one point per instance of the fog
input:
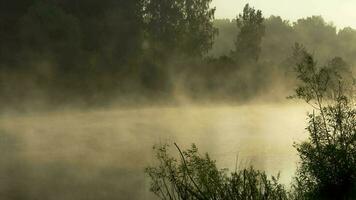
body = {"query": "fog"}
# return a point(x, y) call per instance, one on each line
point(101, 154)
point(87, 88)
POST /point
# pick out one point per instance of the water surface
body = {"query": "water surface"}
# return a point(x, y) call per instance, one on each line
point(101, 154)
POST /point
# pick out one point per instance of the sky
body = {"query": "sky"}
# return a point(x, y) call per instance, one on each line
point(342, 13)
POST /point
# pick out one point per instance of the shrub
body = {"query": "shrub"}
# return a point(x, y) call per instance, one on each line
point(197, 177)
point(327, 168)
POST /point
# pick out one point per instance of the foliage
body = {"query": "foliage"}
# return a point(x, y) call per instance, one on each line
point(50, 33)
point(91, 51)
point(249, 38)
point(277, 40)
point(327, 168)
point(223, 42)
point(180, 26)
point(194, 176)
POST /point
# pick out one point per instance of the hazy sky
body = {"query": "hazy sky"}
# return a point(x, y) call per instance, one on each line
point(341, 12)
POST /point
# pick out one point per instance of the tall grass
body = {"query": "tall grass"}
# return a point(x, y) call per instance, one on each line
point(194, 176)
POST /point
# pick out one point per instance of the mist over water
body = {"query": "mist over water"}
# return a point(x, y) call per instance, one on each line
point(87, 88)
point(101, 154)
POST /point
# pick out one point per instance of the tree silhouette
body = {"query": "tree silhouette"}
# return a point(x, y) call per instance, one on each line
point(184, 27)
point(249, 38)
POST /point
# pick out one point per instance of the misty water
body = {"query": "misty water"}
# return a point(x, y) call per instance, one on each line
point(101, 154)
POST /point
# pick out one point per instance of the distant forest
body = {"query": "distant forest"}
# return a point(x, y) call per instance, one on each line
point(90, 52)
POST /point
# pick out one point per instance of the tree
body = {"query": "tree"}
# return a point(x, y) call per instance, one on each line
point(200, 32)
point(47, 32)
point(318, 36)
point(179, 26)
point(111, 30)
point(278, 39)
point(11, 13)
point(249, 38)
point(327, 168)
point(346, 40)
point(227, 33)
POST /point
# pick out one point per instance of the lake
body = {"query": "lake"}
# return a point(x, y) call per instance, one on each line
point(101, 154)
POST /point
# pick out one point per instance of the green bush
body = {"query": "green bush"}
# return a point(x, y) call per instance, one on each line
point(327, 168)
point(196, 176)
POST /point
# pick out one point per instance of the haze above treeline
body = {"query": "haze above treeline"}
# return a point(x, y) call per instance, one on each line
point(90, 52)
point(339, 12)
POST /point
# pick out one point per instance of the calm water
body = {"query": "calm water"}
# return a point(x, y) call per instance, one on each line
point(102, 154)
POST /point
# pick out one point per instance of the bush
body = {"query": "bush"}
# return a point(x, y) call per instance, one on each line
point(327, 168)
point(197, 177)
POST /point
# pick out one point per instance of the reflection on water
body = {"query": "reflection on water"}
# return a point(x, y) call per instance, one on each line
point(101, 154)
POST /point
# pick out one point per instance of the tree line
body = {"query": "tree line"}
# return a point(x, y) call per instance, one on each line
point(93, 52)
point(92, 49)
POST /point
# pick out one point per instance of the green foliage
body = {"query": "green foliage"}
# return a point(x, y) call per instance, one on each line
point(278, 39)
point(249, 38)
point(194, 176)
point(317, 35)
point(95, 51)
point(179, 26)
point(83, 49)
point(223, 42)
point(48, 32)
point(327, 168)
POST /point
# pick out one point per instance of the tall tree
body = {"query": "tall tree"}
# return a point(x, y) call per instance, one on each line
point(111, 29)
point(179, 26)
point(278, 39)
point(200, 32)
point(11, 13)
point(317, 35)
point(249, 38)
point(346, 40)
point(47, 32)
